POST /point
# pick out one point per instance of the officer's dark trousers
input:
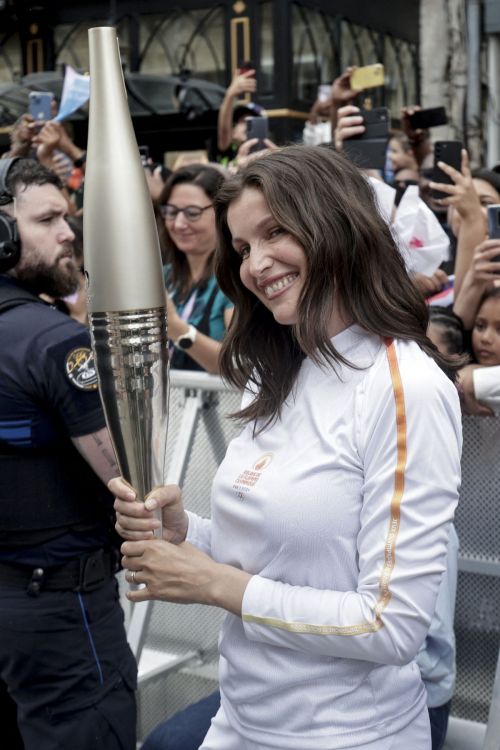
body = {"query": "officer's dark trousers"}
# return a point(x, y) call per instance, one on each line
point(67, 665)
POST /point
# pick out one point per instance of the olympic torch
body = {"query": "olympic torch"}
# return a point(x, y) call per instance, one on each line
point(126, 296)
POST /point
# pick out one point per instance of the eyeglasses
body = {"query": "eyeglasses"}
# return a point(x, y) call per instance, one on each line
point(191, 213)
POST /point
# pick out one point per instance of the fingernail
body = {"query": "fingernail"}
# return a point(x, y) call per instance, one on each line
point(151, 503)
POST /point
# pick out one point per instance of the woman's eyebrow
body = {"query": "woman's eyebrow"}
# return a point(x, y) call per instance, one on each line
point(262, 222)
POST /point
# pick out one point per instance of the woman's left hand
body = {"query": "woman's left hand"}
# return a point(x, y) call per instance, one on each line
point(183, 574)
point(172, 572)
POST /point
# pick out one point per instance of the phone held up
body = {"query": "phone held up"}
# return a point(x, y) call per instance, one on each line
point(494, 223)
point(368, 150)
point(40, 105)
point(494, 227)
point(450, 152)
point(257, 127)
point(367, 77)
point(428, 118)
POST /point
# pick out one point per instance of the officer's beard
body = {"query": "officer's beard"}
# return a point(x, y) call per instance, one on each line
point(58, 280)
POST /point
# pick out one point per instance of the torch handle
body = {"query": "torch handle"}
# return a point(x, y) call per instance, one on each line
point(131, 355)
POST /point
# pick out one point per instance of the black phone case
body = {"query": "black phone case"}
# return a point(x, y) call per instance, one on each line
point(451, 153)
point(428, 118)
point(366, 154)
point(376, 121)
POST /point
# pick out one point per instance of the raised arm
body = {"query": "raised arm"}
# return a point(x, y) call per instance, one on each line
point(482, 274)
point(242, 83)
point(418, 138)
point(341, 94)
point(462, 196)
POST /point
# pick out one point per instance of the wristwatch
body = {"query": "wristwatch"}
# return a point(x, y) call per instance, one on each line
point(186, 340)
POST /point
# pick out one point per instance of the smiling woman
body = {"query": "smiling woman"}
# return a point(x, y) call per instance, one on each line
point(198, 312)
point(350, 270)
point(331, 510)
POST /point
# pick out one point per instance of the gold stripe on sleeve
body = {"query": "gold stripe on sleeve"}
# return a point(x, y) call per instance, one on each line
point(392, 534)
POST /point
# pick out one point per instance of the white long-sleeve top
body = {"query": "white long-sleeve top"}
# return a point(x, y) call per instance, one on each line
point(341, 512)
point(486, 382)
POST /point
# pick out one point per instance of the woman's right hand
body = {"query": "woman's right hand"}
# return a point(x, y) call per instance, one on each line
point(137, 520)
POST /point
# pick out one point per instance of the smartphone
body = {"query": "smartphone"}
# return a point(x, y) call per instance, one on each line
point(451, 153)
point(494, 222)
point(494, 227)
point(428, 118)
point(144, 152)
point(367, 77)
point(366, 154)
point(257, 127)
point(377, 123)
point(368, 150)
point(40, 105)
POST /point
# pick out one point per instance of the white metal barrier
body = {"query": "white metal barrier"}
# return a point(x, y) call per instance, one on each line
point(176, 645)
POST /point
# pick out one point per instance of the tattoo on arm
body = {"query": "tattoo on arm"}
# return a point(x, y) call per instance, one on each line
point(110, 458)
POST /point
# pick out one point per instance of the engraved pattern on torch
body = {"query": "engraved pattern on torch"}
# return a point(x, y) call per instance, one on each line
point(132, 365)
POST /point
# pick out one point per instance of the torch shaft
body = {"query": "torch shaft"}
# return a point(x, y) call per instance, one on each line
point(132, 364)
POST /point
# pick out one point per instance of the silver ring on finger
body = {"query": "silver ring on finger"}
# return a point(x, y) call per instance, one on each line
point(132, 575)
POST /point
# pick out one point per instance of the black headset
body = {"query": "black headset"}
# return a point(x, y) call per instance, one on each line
point(10, 245)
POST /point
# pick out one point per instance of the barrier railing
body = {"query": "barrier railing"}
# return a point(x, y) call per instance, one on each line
point(176, 645)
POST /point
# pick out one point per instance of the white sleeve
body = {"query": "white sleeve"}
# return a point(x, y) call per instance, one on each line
point(411, 459)
point(199, 532)
point(487, 385)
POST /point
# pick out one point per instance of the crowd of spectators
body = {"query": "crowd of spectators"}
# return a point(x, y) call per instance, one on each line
point(466, 270)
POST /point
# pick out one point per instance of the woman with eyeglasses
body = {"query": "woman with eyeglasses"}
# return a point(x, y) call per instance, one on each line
point(198, 312)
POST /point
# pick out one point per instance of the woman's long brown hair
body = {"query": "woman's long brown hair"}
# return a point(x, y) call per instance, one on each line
point(326, 204)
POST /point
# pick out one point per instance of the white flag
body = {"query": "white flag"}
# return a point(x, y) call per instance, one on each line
point(76, 91)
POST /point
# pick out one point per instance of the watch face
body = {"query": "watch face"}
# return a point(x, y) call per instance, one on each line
point(185, 343)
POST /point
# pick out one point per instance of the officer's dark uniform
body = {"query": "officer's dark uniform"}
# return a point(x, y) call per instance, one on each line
point(63, 651)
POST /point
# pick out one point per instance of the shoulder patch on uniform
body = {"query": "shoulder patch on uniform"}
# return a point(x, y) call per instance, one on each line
point(80, 368)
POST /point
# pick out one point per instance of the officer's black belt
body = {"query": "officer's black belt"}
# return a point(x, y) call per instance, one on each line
point(82, 574)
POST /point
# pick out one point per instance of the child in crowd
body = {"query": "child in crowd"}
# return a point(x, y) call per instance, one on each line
point(486, 331)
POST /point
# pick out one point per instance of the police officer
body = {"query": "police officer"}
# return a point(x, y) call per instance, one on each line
point(64, 658)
